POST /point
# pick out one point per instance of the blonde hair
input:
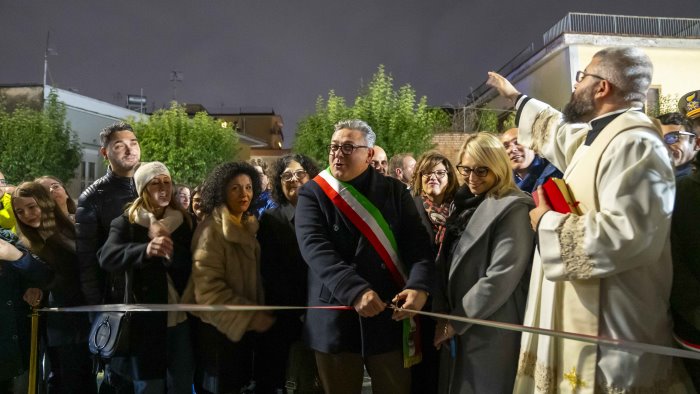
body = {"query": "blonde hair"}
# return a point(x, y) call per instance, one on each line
point(144, 201)
point(487, 150)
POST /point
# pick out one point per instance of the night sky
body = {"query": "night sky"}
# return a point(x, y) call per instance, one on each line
point(279, 54)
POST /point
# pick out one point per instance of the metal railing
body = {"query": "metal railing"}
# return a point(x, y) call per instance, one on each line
point(643, 26)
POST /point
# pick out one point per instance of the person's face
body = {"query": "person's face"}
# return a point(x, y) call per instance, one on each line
point(197, 205)
point(55, 189)
point(477, 185)
point(183, 196)
point(379, 160)
point(520, 156)
point(292, 178)
point(581, 107)
point(409, 167)
point(160, 190)
point(264, 181)
point(346, 167)
point(239, 194)
point(123, 151)
point(434, 181)
point(27, 211)
point(683, 150)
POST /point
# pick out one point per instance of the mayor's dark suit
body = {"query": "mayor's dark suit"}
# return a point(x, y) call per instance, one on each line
point(343, 264)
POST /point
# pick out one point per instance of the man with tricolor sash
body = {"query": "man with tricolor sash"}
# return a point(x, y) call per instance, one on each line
point(362, 238)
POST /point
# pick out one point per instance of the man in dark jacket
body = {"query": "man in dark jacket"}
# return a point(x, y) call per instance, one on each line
point(103, 201)
point(98, 205)
point(529, 169)
point(349, 269)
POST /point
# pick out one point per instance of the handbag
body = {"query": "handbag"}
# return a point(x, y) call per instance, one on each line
point(109, 332)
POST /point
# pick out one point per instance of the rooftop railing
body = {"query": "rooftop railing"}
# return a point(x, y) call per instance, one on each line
point(623, 25)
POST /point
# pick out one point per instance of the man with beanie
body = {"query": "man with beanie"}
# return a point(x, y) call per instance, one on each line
point(100, 203)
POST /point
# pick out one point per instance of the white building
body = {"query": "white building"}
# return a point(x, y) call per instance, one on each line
point(87, 117)
point(548, 73)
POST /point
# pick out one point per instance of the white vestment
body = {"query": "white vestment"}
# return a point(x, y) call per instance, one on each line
point(607, 272)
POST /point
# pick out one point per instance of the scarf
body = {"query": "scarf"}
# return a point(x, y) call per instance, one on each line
point(437, 215)
point(171, 220)
point(461, 211)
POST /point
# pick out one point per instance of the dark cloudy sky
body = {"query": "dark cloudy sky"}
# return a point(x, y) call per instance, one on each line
point(280, 54)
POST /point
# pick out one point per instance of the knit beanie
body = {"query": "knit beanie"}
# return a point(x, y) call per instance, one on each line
point(148, 171)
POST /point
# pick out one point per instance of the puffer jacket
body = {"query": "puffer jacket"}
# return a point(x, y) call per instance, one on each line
point(98, 205)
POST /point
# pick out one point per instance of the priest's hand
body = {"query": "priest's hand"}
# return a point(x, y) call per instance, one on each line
point(539, 211)
point(369, 304)
point(408, 299)
point(504, 87)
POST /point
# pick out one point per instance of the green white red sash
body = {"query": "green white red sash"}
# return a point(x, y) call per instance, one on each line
point(369, 220)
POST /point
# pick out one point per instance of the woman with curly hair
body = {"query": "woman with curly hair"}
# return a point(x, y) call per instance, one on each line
point(283, 272)
point(50, 234)
point(226, 270)
point(150, 245)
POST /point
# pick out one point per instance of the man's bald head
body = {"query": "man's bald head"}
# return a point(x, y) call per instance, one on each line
point(379, 160)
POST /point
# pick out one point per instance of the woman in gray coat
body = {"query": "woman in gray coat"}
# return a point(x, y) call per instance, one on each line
point(484, 270)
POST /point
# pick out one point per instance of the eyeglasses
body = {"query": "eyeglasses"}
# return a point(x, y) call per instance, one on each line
point(346, 149)
point(467, 171)
point(439, 174)
point(581, 74)
point(674, 136)
point(289, 175)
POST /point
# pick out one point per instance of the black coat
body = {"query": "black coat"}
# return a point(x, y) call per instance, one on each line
point(283, 273)
point(15, 278)
point(343, 264)
point(98, 205)
point(64, 291)
point(125, 250)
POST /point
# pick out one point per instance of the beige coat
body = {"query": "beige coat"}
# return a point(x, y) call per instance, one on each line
point(225, 270)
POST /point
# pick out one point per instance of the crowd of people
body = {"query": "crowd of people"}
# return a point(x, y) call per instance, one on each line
point(366, 242)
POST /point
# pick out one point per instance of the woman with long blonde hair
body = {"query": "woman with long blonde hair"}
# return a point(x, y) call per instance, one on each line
point(150, 245)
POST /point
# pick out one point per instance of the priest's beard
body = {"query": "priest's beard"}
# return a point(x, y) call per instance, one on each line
point(580, 107)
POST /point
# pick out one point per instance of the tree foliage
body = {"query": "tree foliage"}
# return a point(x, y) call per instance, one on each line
point(402, 124)
point(38, 142)
point(189, 147)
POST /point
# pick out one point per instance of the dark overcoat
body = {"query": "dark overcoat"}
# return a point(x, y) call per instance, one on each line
point(125, 250)
point(343, 264)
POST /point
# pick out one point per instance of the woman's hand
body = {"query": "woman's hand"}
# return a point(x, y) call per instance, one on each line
point(161, 246)
point(262, 321)
point(33, 296)
point(443, 333)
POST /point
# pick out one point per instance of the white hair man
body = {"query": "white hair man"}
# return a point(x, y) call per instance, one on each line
point(612, 262)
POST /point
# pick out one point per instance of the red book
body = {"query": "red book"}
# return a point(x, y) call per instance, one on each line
point(559, 196)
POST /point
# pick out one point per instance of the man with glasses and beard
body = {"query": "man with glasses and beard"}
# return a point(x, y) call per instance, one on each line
point(362, 237)
point(606, 272)
point(681, 142)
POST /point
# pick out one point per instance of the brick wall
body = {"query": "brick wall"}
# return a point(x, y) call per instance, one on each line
point(448, 144)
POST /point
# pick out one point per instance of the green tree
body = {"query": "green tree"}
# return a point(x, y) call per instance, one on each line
point(38, 142)
point(189, 147)
point(402, 124)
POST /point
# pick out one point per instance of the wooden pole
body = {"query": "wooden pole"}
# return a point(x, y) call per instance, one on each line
point(34, 351)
